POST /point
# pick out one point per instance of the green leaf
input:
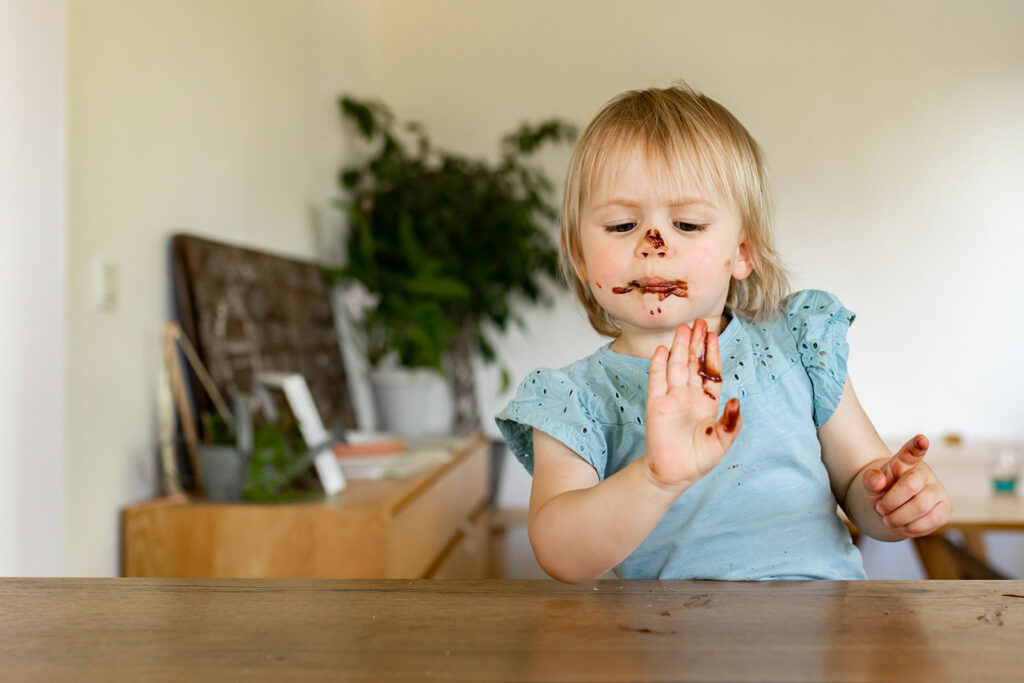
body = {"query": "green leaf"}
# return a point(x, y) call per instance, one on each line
point(361, 114)
point(407, 239)
point(332, 274)
point(350, 178)
point(486, 350)
point(443, 288)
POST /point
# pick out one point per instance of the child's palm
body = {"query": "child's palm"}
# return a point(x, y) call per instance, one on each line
point(684, 441)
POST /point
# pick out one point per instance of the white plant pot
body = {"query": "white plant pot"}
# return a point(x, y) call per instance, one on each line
point(412, 401)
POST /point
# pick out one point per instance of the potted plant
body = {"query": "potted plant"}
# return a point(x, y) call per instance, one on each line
point(445, 243)
point(268, 463)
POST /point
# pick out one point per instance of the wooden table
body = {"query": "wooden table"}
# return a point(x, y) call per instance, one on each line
point(253, 629)
point(964, 470)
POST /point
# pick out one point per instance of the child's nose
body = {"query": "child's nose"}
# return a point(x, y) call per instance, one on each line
point(651, 245)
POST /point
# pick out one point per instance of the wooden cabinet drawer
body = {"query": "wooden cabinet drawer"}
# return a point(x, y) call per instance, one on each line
point(468, 555)
point(427, 523)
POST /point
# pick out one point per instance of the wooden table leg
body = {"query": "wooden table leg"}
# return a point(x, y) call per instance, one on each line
point(974, 543)
point(943, 559)
point(937, 557)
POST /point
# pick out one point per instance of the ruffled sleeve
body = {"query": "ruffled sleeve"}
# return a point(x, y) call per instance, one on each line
point(550, 401)
point(819, 323)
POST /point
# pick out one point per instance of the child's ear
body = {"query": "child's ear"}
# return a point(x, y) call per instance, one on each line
point(744, 264)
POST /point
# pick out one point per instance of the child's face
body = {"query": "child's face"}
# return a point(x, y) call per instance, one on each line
point(659, 253)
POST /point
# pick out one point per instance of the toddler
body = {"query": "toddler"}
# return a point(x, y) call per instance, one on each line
point(714, 435)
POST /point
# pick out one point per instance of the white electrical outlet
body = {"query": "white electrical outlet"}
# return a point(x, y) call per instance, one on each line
point(105, 285)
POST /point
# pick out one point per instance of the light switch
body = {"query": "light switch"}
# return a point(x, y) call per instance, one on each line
point(105, 285)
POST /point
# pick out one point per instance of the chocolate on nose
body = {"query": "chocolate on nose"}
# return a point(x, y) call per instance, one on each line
point(653, 238)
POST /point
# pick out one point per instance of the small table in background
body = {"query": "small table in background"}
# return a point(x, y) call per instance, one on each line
point(964, 469)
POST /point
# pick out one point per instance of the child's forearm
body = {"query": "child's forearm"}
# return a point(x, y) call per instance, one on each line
point(581, 534)
point(861, 510)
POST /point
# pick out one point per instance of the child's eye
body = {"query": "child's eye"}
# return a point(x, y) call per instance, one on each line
point(620, 227)
point(689, 227)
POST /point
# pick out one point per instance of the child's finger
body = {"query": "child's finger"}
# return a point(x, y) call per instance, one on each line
point(934, 520)
point(905, 488)
point(677, 373)
point(711, 367)
point(697, 341)
point(728, 426)
point(875, 482)
point(657, 383)
point(916, 507)
point(905, 459)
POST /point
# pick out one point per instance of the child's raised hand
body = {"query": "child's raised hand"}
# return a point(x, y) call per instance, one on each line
point(684, 441)
point(906, 493)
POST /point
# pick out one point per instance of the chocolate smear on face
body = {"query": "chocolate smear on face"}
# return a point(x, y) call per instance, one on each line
point(653, 238)
point(663, 289)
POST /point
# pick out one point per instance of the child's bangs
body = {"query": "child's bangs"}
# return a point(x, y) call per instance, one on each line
point(689, 169)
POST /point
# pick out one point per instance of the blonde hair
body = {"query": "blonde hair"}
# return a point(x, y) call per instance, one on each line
point(682, 133)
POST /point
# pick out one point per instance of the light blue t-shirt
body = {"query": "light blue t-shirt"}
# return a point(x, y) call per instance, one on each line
point(766, 511)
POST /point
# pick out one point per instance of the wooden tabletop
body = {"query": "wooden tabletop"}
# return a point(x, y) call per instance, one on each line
point(179, 629)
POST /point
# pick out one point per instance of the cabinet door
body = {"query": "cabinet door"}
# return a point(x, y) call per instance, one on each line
point(428, 522)
point(468, 557)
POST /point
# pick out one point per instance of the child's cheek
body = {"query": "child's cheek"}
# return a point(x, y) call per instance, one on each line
point(706, 262)
point(709, 271)
point(604, 270)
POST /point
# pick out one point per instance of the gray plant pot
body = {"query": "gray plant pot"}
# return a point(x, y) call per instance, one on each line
point(412, 402)
point(223, 471)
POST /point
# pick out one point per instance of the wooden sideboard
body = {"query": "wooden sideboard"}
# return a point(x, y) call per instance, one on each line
point(434, 524)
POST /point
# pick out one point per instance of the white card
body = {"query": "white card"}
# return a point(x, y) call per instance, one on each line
point(329, 471)
point(301, 403)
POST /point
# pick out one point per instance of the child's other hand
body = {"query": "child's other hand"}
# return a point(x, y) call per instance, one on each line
point(684, 441)
point(906, 493)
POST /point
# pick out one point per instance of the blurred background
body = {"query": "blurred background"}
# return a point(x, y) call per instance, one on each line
point(893, 131)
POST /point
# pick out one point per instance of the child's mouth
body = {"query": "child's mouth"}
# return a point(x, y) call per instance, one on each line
point(655, 285)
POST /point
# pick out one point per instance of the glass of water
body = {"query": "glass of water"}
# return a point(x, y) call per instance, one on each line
point(1006, 465)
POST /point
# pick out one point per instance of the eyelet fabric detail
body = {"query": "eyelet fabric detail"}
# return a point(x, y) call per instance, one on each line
point(819, 324)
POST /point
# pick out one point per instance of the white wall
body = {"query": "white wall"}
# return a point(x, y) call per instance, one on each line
point(212, 117)
point(32, 149)
point(893, 130)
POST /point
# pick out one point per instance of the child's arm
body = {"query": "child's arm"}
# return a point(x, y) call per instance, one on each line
point(888, 497)
point(581, 527)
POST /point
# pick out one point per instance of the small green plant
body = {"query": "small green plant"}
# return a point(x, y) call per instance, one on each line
point(280, 468)
point(216, 431)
